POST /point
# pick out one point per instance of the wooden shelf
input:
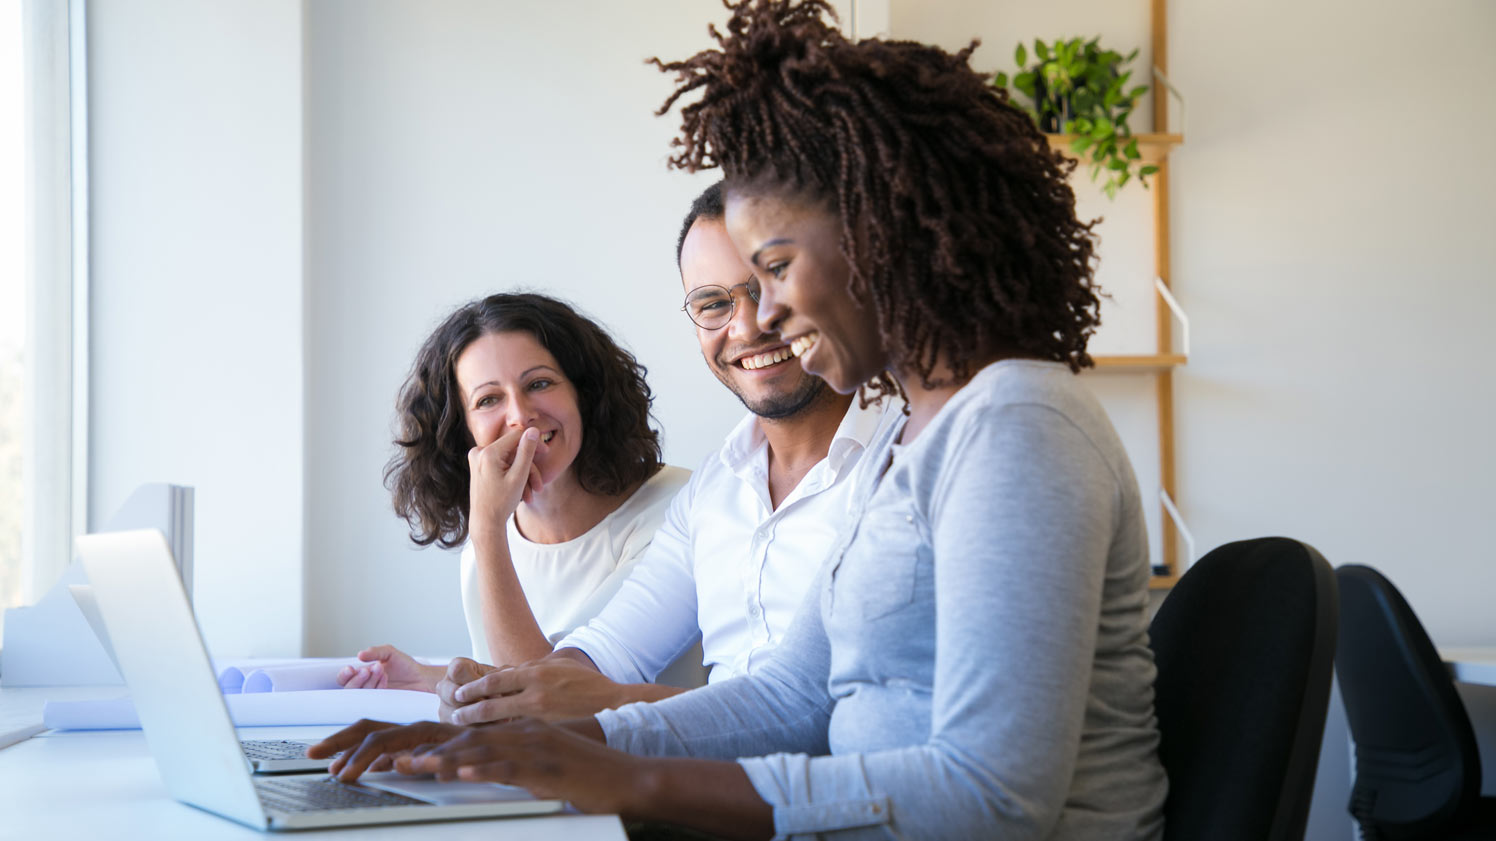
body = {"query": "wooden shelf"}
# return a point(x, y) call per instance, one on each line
point(1141, 362)
point(1153, 147)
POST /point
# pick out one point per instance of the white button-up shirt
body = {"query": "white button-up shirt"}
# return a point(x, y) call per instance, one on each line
point(726, 567)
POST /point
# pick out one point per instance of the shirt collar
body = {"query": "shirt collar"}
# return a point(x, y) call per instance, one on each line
point(857, 428)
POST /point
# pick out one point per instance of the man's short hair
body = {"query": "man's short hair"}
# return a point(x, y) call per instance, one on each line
point(708, 206)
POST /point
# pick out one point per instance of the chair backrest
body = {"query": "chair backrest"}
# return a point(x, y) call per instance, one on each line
point(1245, 647)
point(1417, 764)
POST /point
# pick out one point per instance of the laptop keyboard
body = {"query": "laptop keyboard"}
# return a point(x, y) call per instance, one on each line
point(262, 749)
point(315, 793)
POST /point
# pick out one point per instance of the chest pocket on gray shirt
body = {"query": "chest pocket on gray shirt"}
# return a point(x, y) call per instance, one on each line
point(881, 565)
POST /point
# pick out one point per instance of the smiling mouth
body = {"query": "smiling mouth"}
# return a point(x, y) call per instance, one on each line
point(765, 360)
point(779, 355)
point(803, 343)
point(545, 438)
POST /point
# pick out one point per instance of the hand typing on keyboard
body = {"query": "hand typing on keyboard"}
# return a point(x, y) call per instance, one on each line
point(373, 745)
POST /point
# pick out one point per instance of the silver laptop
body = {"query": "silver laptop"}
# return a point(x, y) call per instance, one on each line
point(266, 756)
point(160, 652)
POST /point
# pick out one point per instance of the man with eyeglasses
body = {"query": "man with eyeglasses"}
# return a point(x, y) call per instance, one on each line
point(742, 540)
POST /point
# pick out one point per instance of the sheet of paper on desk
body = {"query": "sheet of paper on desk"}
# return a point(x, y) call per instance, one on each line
point(263, 709)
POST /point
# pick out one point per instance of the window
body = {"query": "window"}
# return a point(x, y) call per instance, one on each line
point(12, 303)
point(42, 299)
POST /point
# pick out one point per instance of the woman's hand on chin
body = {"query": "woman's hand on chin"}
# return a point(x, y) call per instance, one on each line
point(501, 474)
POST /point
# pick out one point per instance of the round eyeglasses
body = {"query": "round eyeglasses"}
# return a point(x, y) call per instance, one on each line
point(711, 307)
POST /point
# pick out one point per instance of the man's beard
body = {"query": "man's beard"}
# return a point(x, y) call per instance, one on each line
point(781, 406)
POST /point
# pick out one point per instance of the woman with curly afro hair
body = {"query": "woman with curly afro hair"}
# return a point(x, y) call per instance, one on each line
point(525, 439)
point(973, 661)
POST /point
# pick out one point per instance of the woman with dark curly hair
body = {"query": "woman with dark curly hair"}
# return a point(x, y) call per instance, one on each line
point(973, 661)
point(524, 434)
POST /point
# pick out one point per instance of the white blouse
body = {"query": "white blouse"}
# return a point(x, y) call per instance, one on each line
point(567, 583)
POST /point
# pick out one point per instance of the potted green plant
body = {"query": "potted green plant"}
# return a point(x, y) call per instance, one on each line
point(1079, 88)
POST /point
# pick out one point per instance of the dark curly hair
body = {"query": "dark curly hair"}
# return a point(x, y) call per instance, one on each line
point(428, 476)
point(958, 223)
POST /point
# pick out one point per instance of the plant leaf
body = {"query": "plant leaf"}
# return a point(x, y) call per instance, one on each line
point(1147, 170)
point(1041, 50)
point(1000, 80)
point(1131, 150)
point(1080, 144)
point(1020, 56)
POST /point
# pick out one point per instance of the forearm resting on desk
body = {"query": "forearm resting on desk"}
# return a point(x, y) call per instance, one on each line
point(569, 761)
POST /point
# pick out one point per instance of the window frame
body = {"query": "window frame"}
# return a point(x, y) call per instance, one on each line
point(55, 473)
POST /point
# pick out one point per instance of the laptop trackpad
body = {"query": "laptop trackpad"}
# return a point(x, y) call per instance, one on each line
point(431, 790)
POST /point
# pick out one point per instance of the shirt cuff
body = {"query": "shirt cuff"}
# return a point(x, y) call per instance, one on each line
point(836, 801)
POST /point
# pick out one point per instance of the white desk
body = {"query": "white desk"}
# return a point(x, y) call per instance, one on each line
point(104, 784)
point(1471, 665)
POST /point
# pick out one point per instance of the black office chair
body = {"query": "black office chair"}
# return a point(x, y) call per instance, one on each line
point(1245, 646)
point(1417, 766)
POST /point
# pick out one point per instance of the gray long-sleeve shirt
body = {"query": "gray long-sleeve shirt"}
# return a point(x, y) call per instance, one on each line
point(973, 661)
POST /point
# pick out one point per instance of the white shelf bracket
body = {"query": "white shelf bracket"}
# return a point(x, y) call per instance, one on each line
point(1174, 307)
point(1184, 530)
point(1178, 97)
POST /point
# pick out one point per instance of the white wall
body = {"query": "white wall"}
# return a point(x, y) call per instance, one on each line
point(456, 149)
point(1332, 241)
point(196, 358)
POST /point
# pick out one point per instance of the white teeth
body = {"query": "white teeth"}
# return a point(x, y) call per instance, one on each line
point(774, 357)
point(764, 360)
point(546, 438)
point(799, 346)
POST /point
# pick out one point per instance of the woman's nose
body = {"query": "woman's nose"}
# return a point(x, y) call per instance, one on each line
point(520, 413)
point(768, 311)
